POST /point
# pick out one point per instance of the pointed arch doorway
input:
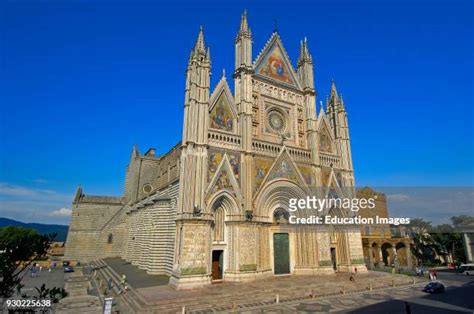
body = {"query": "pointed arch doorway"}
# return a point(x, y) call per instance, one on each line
point(221, 206)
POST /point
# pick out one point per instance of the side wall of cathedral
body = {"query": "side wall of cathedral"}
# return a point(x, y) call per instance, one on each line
point(90, 215)
point(151, 225)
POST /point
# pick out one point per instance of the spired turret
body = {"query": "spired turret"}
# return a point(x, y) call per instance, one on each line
point(243, 45)
point(193, 171)
point(337, 113)
point(305, 67)
point(243, 99)
point(196, 100)
point(306, 77)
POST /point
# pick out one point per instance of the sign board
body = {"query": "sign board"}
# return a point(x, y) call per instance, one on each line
point(108, 303)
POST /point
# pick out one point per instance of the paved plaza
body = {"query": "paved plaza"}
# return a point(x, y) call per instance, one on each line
point(372, 292)
point(55, 278)
point(249, 296)
point(390, 300)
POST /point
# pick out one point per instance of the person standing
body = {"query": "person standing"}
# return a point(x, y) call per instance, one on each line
point(407, 308)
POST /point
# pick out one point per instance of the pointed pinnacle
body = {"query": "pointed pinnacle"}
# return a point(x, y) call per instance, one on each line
point(304, 52)
point(244, 27)
point(333, 88)
point(200, 46)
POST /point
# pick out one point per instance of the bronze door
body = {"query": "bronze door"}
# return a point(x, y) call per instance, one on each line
point(281, 253)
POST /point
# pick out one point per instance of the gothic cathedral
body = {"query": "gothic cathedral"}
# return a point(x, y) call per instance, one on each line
point(215, 207)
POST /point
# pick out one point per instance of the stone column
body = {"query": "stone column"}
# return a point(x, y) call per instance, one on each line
point(380, 254)
point(371, 258)
point(409, 261)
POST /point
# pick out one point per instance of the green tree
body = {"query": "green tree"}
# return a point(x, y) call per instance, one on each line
point(18, 244)
point(448, 242)
point(462, 219)
point(423, 243)
point(54, 294)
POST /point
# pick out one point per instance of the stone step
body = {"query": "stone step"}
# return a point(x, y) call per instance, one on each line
point(243, 301)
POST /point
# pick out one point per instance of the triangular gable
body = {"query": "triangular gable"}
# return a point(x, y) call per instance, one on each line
point(326, 138)
point(224, 179)
point(285, 168)
point(273, 63)
point(333, 187)
point(222, 113)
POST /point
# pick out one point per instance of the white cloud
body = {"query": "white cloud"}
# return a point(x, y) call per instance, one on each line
point(29, 204)
point(62, 212)
point(14, 190)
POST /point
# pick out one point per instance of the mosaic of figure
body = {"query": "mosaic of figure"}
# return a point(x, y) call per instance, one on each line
point(223, 182)
point(325, 143)
point(261, 168)
point(325, 176)
point(339, 178)
point(307, 175)
point(235, 164)
point(221, 115)
point(215, 158)
point(276, 68)
point(283, 170)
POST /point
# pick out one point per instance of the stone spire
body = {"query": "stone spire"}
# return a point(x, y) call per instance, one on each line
point(333, 88)
point(305, 67)
point(244, 27)
point(243, 45)
point(200, 46)
point(305, 56)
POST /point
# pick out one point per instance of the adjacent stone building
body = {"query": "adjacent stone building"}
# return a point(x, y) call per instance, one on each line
point(384, 244)
point(467, 232)
point(215, 206)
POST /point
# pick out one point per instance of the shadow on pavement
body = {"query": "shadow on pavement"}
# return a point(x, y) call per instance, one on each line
point(454, 300)
point(137, 278)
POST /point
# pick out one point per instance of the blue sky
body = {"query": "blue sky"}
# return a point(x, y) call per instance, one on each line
point(82, 81)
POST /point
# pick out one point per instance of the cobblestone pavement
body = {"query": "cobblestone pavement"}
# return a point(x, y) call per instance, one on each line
point(304, 294)
point(55, 278)
point(389, 300)
point(255, 295)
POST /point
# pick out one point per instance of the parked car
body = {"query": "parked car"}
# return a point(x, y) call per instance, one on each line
point(68, 269)
point(467, 269)
point(434, 287)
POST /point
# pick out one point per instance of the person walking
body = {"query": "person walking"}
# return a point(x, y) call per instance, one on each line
point(123, 280)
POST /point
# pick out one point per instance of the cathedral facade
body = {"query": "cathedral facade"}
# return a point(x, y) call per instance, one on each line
point(215, 207)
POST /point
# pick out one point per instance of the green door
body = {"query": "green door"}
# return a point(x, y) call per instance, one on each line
point(281, 253)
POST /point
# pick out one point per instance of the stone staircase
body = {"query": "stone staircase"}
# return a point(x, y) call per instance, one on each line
point(79, 300)
point(127, 301)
